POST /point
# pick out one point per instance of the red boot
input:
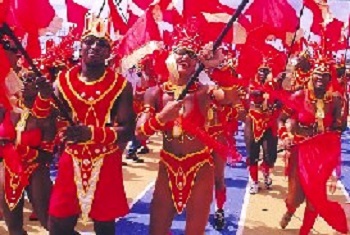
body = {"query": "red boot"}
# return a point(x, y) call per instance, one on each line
point(308, 222)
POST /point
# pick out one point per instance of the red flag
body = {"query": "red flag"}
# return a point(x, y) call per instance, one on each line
point(317, 21)
point(143, 4)
point(143, 31)
point(252, 56)
point(138, 41)
point(4, 9)
point(277, 17)
point(118, 22)
point(76, 14)
point(31, 16)
point(333, 36)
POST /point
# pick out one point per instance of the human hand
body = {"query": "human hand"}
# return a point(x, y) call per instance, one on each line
point(76, 134)
point(44, 87)
point(170, 111)
point(210, 58)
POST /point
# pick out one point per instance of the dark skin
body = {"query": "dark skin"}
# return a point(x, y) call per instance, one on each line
point(94, 53)
point(320, 82)
point(39, 183)
point(248, 130)
point(162, 208)
point(93, 67)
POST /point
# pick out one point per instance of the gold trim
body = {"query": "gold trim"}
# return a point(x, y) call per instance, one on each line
point(88, 102)
point(188, 155)
point(100, 79)
point(86, 198)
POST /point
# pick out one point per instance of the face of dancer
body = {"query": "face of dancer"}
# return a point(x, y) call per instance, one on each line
point(186, 61)
point(321, 81)
point(95, 51)
point(304, 64)
point(262, 74)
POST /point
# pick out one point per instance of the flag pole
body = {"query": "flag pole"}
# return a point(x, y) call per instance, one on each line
point(6, 30)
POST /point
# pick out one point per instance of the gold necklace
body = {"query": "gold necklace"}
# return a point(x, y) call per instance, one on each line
point(21, 125)
point(320, 114)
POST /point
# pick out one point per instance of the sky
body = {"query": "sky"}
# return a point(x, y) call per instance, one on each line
point(339, 8)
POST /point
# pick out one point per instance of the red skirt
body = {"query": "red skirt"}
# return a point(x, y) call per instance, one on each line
point(109, 201)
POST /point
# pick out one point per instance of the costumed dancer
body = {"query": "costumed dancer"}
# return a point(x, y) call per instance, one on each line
point(313, 141)
point(261, 127)
point(186, 168)
point(222, 124)
point(90, 167)
point(27, 133)
point(141, 87)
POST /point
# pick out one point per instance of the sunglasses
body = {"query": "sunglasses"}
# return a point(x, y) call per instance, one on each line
point(184, 51)
point(91, 40)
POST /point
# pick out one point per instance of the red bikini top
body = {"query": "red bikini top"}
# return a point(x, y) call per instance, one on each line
point(7, 130)
point(30, 138)
point(307, 117)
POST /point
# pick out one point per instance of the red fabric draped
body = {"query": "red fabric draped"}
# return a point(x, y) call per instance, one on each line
point(224, 151)
point(318, 157)
point(76, 14)
point(117, 20)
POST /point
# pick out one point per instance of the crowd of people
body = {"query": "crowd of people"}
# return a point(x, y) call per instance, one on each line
point(304, 109)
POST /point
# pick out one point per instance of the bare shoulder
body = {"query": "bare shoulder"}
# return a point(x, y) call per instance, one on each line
point(152, 94)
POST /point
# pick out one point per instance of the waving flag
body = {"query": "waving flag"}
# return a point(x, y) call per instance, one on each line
point(139, 40)
point(117, 20)
point(76, 14)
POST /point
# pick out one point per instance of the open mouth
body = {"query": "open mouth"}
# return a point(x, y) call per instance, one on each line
point(183, 64)
point(319, 83)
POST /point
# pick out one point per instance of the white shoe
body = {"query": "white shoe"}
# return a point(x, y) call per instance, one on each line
point(254, 188)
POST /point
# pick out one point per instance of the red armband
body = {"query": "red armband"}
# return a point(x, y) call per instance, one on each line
point(41, 107)
point(151, 126)
point(103, 135)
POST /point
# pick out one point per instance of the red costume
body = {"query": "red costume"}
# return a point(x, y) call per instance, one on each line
point(317, 156)
point(182, 174)
point(20, 158)
point(90, 173)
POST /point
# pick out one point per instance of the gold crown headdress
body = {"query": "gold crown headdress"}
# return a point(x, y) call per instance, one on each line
point(97, 27)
